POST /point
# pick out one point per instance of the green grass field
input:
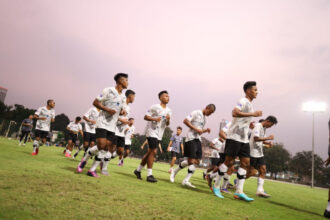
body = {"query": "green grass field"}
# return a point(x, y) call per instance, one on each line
point(47, 187)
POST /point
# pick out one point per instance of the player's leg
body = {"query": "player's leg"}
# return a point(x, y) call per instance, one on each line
point(223, 168)
point(21, 138)
point(241, 176)
point(261, 179)
point(127, 150)
point(191, 171)
point(69, 147)
point(99, 153)
point(26, 137)
point(172, 161)
point(120, 150)
point(184, 163)
point(150, 162)
point(327, 210)
point(36, 141)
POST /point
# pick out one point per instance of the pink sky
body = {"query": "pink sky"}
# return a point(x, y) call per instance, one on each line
point(200, 51)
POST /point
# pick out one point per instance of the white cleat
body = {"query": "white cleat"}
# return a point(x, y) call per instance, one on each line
point(172, 176)
point(263, 194)
point(186, 183)
point(24, 144)
point(19, 144)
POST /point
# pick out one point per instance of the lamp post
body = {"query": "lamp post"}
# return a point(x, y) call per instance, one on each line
point(313, 107)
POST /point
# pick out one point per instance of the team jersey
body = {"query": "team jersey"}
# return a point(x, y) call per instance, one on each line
point(113, 100)
point(197, 119)
point(120, 127)
point(256, 147)
point(176, 143)
point(91, 114)
point(44, 125)
point(156, 129)
point(73, 126)
point(220, 148)
point(128, 135)
point(239, 127)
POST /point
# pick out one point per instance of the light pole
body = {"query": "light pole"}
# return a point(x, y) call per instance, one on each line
point(313, 107)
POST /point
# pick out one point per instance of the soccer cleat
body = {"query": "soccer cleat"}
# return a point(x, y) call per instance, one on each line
point(20, 144)
point(242, 196)
point(187, 183)
point(172, 176)
point(34, 154)
point(121, 163)
point(263, 194)
point(217, 193)
point(67, 155)
point(224, 190)
point(151, 179)
point(81, 166)
point(138, 174)
point(105, 173)
point(24, 144)
point(209, 182)
point(92, 174)
point(326, 214)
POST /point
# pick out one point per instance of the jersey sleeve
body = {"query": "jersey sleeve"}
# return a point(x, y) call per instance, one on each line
point(38, 111)
point(80, 127)
point(101, 97)
point(240, 104)
point(88, 113)
point(214, 141)
point(191, 116)
point(256, 130)
point(226, 127)
point(152, 110)
point(172, 138)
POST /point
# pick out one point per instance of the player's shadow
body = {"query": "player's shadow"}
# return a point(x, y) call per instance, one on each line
point(131, 175)
point(72, 169)
point(293, 208)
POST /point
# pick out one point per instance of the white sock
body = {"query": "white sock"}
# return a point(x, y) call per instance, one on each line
point(68, 151)
point(240, 182)
point(260, 185)
point(91, 151)
point(328, 207)
point(149, 172)
point(106, 157)
point(95, 164)
point(114, 154)
point(35, 146)
point(140, 167)
point(222, 170)
point(191, 170)
point(226, 179)
point(182, 165)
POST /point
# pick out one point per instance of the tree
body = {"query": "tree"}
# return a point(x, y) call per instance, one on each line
point(61, 122)
point(277, 159)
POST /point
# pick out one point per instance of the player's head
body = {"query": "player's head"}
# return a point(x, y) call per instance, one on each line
point(30, 117)
point(131, 121)
point(122, 79)
point(50, 103)
point(130, 95)
point(78, 119)
point(261, 120)
point(178, 130)
point(270, 121)
point(209, 109)
point(250, 89)
point(164, 97)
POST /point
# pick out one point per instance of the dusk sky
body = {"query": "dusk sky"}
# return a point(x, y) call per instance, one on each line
point(200, 51)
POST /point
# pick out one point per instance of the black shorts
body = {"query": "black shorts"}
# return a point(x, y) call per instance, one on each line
point(120, 141)
point(153, 142)
point(40, 134)
point(222, 158)
point(127, 147)
point(71, 136)
point(235, 148)
point(215, 161)
point(89, 137)
point(175, 154)
point(102, 133)
point(256, 162)
point(193, 149)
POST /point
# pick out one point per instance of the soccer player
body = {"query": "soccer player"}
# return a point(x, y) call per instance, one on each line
point(158, 117)
point(327, 162)
point(27, 125)
point(44, 116)
point(110, 102)
point(218, 147)
point(122, 124)
point(174, 146)
point(257, 161)
point(89, 131)
point(237, 143)
point(73, 129)
point(129, 133)
point(193, 146)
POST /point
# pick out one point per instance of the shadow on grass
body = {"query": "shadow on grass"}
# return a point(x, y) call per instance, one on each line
point(294, 208)
point(72, 169)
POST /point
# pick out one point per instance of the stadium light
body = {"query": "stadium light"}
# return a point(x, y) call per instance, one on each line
point(313, 107)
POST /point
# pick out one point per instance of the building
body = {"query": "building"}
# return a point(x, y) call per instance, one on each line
point(3, 92)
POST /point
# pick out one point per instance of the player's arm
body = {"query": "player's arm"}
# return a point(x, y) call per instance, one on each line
point(257, 139)
point(213, 146)
point(222, 135)
point(36, 117)
point(89, 120)
point(189, 125)
point(52, 119)
point(168, 118)
point(237, 113)
point(98, 104)
point(144, 144)
point(268, 144)
point(169, 145)
point(160, 148)
point(182, 148)
point(81, 133)
point(124, 121)
point(149, 118)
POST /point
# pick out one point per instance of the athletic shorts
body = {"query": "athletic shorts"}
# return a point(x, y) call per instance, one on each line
point(40, 134)
point(71, 136)
point(153, 142)
point(193, 149)
point(120, 141)
point(256, 162)
point(235, 148)
point(215, 161)
point(222, 158)
point(127, 147)
point(175, 154)
point(89, 137)
point(102, 133)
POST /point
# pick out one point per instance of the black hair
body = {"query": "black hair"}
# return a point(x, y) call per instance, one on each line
point(49, 101)
point(161, 93)
point(179, 128)
point(119, 75)
point(272, 119)
point(131, 119)
point(129, 92)
point(78, 118)
point(261, 120)
point(211, 106)
point(249, 84)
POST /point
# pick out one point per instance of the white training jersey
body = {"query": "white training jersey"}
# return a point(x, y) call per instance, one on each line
point(239, 127)
point(113, 100)
point(220, 148)
point(73, 126)
point(91, 114)
point(256, 147)
point(44, 125)
point(120, 127)
point(156, 129)
point(128, 135)
point(197, 119)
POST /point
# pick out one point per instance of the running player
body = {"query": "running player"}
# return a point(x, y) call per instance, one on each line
point(27, 125)
point(176, 143)
point(122, 124)
point(158, 117)
point(129, 133)
point(257, 161)
point(44, 116)
point(73, 130)
point(237, 143)
point(110, 102)
point(193, 146)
